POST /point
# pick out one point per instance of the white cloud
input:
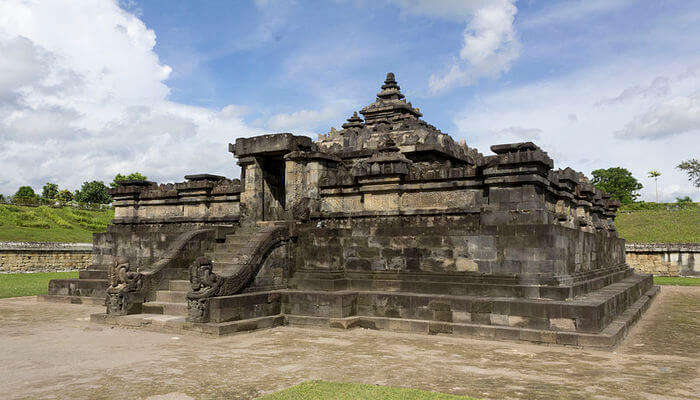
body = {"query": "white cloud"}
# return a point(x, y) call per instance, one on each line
point(302, 119)
point(593, 141)
point(490, 45)
point(308, 121)
point(673, 116)
point(456, 10)
point(572, 10)
point(515, 134)
point(21, 64)
point(83, 96)
point(657, 88)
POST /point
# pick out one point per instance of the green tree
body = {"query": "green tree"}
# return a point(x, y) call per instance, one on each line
point(684, 200)
point(25, 195)
point(119, 178)
point(50, 191)
point(25, 192)
point(93, 192)
point(64, 196)
point(692, 168)
point(2, 198)
point(655, 174)
point(618, 182)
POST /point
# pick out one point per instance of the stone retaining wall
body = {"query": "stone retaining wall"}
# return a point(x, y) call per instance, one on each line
point(44, 257)
point(664, 259)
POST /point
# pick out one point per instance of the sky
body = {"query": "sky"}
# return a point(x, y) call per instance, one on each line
point(92, 88)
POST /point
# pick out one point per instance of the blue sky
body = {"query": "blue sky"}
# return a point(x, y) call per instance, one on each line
point(92, 88)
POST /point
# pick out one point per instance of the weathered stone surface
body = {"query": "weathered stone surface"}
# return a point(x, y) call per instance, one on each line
point(44, 257)
point(270, 145)
point(664, 259)
point(387, 223)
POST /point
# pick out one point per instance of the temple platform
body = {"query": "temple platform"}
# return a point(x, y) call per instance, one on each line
point(388, 224)
point(597, 319)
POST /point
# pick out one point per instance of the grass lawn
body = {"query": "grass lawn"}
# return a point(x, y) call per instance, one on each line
point(676, 281)
point(681, 226)
point(30, 284)
point(46, 224)
point(353, 391)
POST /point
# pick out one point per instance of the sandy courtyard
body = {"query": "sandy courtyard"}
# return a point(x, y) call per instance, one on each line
point(50, 351)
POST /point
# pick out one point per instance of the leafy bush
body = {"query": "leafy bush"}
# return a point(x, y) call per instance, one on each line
point(65, 196)
point(684, 200)
point(25, 196)
point(50, 191)
point(29, 218)
point(644, 206)
point(47, 223)
point(93, 192)
point(134, 176)
point(25, 191)
point(48, 214)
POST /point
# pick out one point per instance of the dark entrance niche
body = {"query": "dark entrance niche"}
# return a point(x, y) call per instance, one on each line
point(273, 172)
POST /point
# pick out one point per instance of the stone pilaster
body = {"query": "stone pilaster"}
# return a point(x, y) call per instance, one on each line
point(516, 178)
point(304, 170)
point(251, 196)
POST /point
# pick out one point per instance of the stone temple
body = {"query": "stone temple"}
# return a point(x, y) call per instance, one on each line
point(387, 223)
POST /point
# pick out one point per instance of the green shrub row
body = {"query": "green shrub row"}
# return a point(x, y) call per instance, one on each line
point(644, 206)
point(48, 217)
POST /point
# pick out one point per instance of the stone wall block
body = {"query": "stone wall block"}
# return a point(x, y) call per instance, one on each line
point(45, 257)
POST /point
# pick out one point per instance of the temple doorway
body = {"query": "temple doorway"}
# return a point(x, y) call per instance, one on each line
point(273, 172)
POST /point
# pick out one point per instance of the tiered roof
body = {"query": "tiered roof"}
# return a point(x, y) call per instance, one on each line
point(391, 115)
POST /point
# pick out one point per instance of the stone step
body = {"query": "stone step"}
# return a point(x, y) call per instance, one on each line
point(171, 296)
point(239, 239)
point(230, 246)
point(219, 247)
point(271, 224)
point(78, 287)
point(157, 307)
point(226, 247)
point(176, 274)
point(225, 328)
point(179, 285)
point(93, 274)
point(226, 266)
point(177, 324)
point(49, 298)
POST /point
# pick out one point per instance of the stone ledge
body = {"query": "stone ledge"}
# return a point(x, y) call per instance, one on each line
point(608, 339)
point(178, 324)
point(173, 220)
point(662, 247)
point(395, 213)
point(45, 247)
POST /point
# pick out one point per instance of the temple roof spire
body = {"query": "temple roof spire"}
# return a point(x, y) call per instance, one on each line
point(390, 106)
point(353, 122)
point(390, 89)
point(392, 123)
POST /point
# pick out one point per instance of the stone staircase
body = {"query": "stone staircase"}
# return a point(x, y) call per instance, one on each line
point(88, 288)
point(226, 256)
point(171, 301)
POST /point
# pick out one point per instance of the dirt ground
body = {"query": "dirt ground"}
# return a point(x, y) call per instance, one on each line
point(52, 351)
